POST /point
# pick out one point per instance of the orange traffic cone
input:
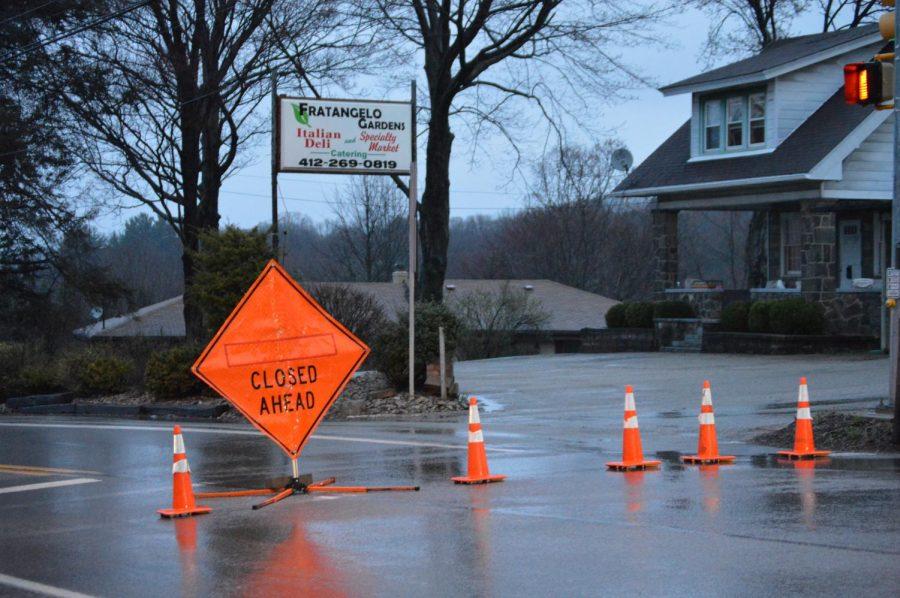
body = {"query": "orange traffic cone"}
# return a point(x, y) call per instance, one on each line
point(632, 454)
point(183, 504)
point(478, 466)
point(804, 446)
point(707, 446)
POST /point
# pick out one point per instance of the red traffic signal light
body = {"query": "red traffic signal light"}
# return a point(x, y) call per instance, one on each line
point(868, 82)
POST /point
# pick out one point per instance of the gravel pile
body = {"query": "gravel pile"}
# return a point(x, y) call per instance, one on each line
point(838, 432)
point(369, 394)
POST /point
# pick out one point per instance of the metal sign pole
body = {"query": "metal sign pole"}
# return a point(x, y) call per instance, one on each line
point(274, 166)
point(411, 271)
point(895, 249)
point(443, 356)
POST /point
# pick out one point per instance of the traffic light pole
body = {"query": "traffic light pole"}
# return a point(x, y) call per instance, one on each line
point(895, 254)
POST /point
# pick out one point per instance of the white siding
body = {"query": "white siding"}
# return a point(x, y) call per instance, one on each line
point(869, 168)
point(800, 93)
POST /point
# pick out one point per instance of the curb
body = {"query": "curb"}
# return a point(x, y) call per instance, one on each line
point(58, 398)
point(183, 411)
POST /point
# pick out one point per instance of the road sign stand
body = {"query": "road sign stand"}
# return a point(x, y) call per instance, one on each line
point(302, 485)
point(282, 361)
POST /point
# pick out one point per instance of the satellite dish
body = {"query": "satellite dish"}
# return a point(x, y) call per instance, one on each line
point(96, 313)
point(622, 160)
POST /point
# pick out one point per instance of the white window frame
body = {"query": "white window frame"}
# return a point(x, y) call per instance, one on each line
point(741, 123)
point(783, 234)
point(721, 125)
point(750, 118)
point(723, 101)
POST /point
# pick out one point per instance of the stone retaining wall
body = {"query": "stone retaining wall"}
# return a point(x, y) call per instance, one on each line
point(618, 340)
point(781, 344)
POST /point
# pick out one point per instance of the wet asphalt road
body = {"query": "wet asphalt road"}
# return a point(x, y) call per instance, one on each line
point(560, 525)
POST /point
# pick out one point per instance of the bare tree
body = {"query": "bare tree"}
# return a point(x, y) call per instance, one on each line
point(566, 234)
point(489, 320)
point(370, 228)
point(748, 26)
point(164, 98)
point(571, 230)
point(745, 26)
point(846, 14)
point(483, 57)
point(712, 245)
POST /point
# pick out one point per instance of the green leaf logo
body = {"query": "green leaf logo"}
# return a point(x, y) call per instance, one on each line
point(302, 118)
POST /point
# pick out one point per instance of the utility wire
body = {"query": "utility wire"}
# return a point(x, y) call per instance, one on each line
point(334, 203)
point(27, 12)
point(66, 34)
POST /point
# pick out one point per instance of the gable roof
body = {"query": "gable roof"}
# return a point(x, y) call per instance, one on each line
point(668, 170)
point(778, 58)
point(570, 309)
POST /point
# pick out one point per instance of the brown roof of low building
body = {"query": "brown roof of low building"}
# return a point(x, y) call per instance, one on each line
point(569, 309)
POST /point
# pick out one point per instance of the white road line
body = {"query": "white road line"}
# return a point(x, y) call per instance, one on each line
point(251, 433)
point(43, 485)
point(39, 588)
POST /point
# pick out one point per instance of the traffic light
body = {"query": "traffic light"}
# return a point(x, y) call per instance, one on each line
point(868, 82)
point(873, 82)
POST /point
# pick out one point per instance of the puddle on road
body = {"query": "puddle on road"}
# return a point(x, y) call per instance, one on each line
point(489, 404)
point(789, 404)
point(671, 414)
point(836, 461)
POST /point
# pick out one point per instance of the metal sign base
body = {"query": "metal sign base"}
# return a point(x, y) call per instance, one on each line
point(301, 484)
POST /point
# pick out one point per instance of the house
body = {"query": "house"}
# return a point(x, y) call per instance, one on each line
point(772, 134)
point(569, 311)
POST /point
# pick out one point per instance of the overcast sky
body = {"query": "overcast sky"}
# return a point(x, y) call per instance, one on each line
point(642, 123)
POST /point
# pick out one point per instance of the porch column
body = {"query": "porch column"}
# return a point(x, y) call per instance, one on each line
point(665, 249)
point(818, 251)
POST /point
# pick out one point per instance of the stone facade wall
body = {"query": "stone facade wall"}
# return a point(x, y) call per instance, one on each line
point(853, 313)
point(665, 250)
point(818, 262)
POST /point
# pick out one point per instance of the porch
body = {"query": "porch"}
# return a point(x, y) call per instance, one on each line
point(830, 252)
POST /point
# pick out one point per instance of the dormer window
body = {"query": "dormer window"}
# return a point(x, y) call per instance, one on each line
point(744, 117)
point(712, 112)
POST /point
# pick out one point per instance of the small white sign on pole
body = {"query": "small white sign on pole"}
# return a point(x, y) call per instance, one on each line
point(344, 136)
point(892, 289)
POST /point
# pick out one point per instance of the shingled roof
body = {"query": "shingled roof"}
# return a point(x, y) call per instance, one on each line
point(668, 166)
point(570, 309)
point(780, 56)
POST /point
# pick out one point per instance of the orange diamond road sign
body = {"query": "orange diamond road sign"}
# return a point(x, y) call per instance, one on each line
point(281, 359)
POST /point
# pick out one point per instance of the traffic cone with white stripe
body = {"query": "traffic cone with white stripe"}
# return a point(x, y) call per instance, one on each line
point(632, 453)
point(804, 446)
point(183, 503)
point(478, 472)
point(707, 446)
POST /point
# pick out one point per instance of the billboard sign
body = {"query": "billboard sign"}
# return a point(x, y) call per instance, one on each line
point(344, 136)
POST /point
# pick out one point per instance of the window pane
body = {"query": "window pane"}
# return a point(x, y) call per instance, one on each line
point(735, 134)
point(790, 241)
point(758, 105)
point(713, 134)
point(757, 131)
point(713, 113)
point(735, 110)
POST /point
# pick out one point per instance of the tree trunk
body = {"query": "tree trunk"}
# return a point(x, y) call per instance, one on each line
point(190, 225)
point(435, 210)
point(193, 313)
